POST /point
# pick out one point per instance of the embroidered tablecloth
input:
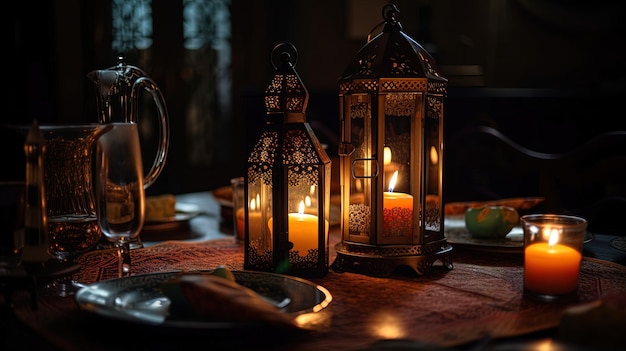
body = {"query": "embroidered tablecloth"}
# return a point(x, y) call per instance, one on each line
point(482, 295)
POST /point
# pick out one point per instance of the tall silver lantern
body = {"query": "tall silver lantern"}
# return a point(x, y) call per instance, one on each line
point(287, 184)
point(391, 106)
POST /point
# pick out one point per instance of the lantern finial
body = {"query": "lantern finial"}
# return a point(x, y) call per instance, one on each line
point(286, 92)
point(390, 14)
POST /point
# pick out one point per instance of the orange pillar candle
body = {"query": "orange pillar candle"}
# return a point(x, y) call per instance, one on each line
point(240, 218)
point(255, 223)
point(551, 268)
point(397, 211)
point(302, 230)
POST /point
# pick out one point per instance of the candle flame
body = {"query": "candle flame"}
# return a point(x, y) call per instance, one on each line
point(554, 237)
point(255, 204)
point(392, 182)
point(301, 208)
point(434, 156)
point(307, 200)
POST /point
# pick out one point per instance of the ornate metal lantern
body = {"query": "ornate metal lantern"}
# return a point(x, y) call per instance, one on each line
point(287, 185)
point(391, 100)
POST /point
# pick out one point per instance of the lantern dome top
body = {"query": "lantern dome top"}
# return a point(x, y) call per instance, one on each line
point(286, 93)
point(392, 54)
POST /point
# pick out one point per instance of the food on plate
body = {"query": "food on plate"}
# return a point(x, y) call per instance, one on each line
point(160, 206)
point(490, 222)
point(215, 296)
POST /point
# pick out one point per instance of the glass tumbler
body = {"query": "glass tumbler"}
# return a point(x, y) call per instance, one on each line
point(238, 208)
point(553, 247)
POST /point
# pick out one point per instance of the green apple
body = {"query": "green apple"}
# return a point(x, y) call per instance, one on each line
point(491, 222)
point(224, 272)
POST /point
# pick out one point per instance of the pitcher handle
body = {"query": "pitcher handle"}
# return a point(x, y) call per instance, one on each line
point(164, 135)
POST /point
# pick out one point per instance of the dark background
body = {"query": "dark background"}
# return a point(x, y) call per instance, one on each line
point(549, 74)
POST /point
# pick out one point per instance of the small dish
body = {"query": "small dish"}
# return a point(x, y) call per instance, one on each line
point(457, 234)
point(184, 213)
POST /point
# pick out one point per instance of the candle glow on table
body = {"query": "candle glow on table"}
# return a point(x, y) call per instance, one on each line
point(551, 268)
point(397, 211)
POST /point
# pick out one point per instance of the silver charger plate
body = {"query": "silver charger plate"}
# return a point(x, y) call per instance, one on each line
point(139, 299)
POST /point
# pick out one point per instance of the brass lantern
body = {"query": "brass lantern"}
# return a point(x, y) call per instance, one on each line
point(391, 101)
point(287, 184)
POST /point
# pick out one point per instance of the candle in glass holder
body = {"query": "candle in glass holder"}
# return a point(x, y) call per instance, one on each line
point(237, 187)
point(552, 254)
point(255, 223)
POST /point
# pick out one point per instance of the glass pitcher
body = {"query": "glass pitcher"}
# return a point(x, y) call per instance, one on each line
point(72, 223)
point(118, 90)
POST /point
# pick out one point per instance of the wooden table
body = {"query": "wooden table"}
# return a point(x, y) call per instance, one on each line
point(482, 297)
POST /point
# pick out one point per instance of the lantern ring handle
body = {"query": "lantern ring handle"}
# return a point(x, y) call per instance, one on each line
point(284, 50)
point(390, 15)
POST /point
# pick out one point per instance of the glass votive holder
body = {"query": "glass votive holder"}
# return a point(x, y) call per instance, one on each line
point(553, 246)
point(238, 208)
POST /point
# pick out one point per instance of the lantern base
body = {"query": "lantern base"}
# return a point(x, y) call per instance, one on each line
point(376, 261)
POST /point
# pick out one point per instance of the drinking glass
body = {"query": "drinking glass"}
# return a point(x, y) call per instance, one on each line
point(71, 217)
point(119, 189)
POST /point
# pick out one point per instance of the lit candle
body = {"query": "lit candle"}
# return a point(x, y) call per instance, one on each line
point(390, 166)
point(397, 211)
point(255, 222)
point(551, 268)
point(302, 230)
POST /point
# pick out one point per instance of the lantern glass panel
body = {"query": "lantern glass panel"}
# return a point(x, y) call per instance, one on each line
point(364, 167)
point(434, 142)
point(259, 211)
point(399, 160)
point(397, 153)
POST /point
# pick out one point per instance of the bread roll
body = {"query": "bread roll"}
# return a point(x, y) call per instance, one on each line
point(159, 207)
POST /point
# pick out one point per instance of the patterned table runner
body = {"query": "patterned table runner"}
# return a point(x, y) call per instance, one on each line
point(481, 296)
